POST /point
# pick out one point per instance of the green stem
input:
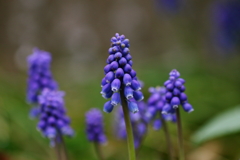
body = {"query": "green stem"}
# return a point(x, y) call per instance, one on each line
point(98, 151)
point(63, 148)
point(58, 150)
point(180, 138)
point(130, 140)
point(168, 138)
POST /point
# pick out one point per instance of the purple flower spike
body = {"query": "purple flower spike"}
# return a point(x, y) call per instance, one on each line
point(39, 74)
point(158, 105)
point(175, 95)
point(94, 126)
point(119, 73)
point(53, 121)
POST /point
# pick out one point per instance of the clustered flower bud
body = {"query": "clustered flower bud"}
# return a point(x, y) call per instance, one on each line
point(175, 95)
point(138, 124)
point(53, 121)
point(39, 74)
point(119, 76)
point(94, 126)
point(156, 102)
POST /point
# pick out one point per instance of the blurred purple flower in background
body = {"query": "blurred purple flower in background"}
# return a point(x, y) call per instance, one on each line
point(172, 6)
point(39, 74)
point(225, 16)
point(53, 121)
point(156, 102)
point(139, 124)
point(119, 76)
point(94, 126)
point(175, 95)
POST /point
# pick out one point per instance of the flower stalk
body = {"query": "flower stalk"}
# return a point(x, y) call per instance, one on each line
point(180, 138)
point(63, 148)
point(130, 140)
point(58, 150)
point(168, 138)
point(98, 151)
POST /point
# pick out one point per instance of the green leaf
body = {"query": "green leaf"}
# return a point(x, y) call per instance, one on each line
point(224, 124)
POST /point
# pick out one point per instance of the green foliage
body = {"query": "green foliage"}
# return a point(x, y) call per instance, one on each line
point(226, 123)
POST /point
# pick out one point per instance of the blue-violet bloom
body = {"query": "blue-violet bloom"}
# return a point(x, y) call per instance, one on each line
point(175, 95)
point(156, 102)
point(94, 126)
point(53, 121)
point(225, 16)
point(120, 77)
point(39, 75)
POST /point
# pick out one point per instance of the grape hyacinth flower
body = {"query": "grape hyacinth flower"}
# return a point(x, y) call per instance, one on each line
point(94, 130)
point(94, 126)
point(156, 102)
point(39, 77)
point(39, 74)
point(121, 84)
point(138, 123)
point(170, 6)
point(226, 26)
point(120, 77)
point(175, 96)
point(53, 121)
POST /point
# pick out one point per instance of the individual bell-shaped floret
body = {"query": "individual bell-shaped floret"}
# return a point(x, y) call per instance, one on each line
point(128, 92)
point(132, 106)
point(115, 85)
point(108, 107)
point(116, 99)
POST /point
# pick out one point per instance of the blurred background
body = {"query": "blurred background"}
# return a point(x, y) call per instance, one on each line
point(200, 39)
